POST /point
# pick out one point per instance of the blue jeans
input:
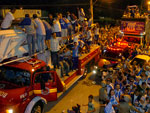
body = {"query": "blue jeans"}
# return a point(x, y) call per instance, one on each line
point(64, 68)
point(31, 43)
point(69, 61)
point(40, 42)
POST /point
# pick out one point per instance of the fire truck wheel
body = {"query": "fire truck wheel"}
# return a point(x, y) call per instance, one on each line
point(38, 108)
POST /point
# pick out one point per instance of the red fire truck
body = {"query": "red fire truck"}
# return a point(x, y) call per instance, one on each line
point(25, 85)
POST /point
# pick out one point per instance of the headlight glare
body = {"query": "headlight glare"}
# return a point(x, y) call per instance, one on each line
point(9, 111)
point(94, 72)
point(95, 67)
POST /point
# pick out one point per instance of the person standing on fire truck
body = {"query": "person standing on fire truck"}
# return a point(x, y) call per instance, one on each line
point(7, 21)
point(54, 47)
point(30, 28)
point(40, 33)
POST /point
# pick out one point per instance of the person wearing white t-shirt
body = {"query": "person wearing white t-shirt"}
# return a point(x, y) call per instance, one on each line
point(97, 32)
point(7, 21)
point(57, 26)
point(76, 36)
point(55, 41)
point(40, 33)
point(89, 37)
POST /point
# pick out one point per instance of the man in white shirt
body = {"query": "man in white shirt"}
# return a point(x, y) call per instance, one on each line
point(97, 32)
point(55, 50)
point(57, 26)
point(7, 21)
point(40, 33)
point(89, 36)
point(76, 36)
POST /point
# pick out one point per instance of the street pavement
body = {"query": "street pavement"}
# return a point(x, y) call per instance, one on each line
point(77, 94)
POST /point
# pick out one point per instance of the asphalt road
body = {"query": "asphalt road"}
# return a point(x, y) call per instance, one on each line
point(77, 94)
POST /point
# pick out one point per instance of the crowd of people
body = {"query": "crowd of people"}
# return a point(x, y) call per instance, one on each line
point(64, 36)
point(124, 90)
point(133, 12)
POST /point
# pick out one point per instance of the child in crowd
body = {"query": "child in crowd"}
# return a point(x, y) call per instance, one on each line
point(91, 108)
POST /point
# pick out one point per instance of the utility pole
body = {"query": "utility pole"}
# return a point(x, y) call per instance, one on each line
point(91, 9)
point(148, 3)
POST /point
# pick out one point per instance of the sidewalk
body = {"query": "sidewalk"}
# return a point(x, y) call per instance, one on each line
point(77, 95)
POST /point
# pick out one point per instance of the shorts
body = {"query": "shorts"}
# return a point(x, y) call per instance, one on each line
point(58, 34)
point(64, 32)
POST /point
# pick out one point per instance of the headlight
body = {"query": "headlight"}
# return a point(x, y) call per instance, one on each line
point(95, 67)
point(33, 70)
point(104, 51)
point(142, 33)
point(9, 111)
point(94, 72)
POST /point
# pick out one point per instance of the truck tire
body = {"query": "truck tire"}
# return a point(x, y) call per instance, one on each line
point(38, 108)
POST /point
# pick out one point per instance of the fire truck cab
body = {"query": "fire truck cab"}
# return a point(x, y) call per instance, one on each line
point(26, 85)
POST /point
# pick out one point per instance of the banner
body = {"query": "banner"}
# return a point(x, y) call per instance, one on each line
point(133, 26)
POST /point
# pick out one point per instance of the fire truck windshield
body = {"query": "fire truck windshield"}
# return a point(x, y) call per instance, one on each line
point(112, 55)
point(13, 78)
point(138, 61)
